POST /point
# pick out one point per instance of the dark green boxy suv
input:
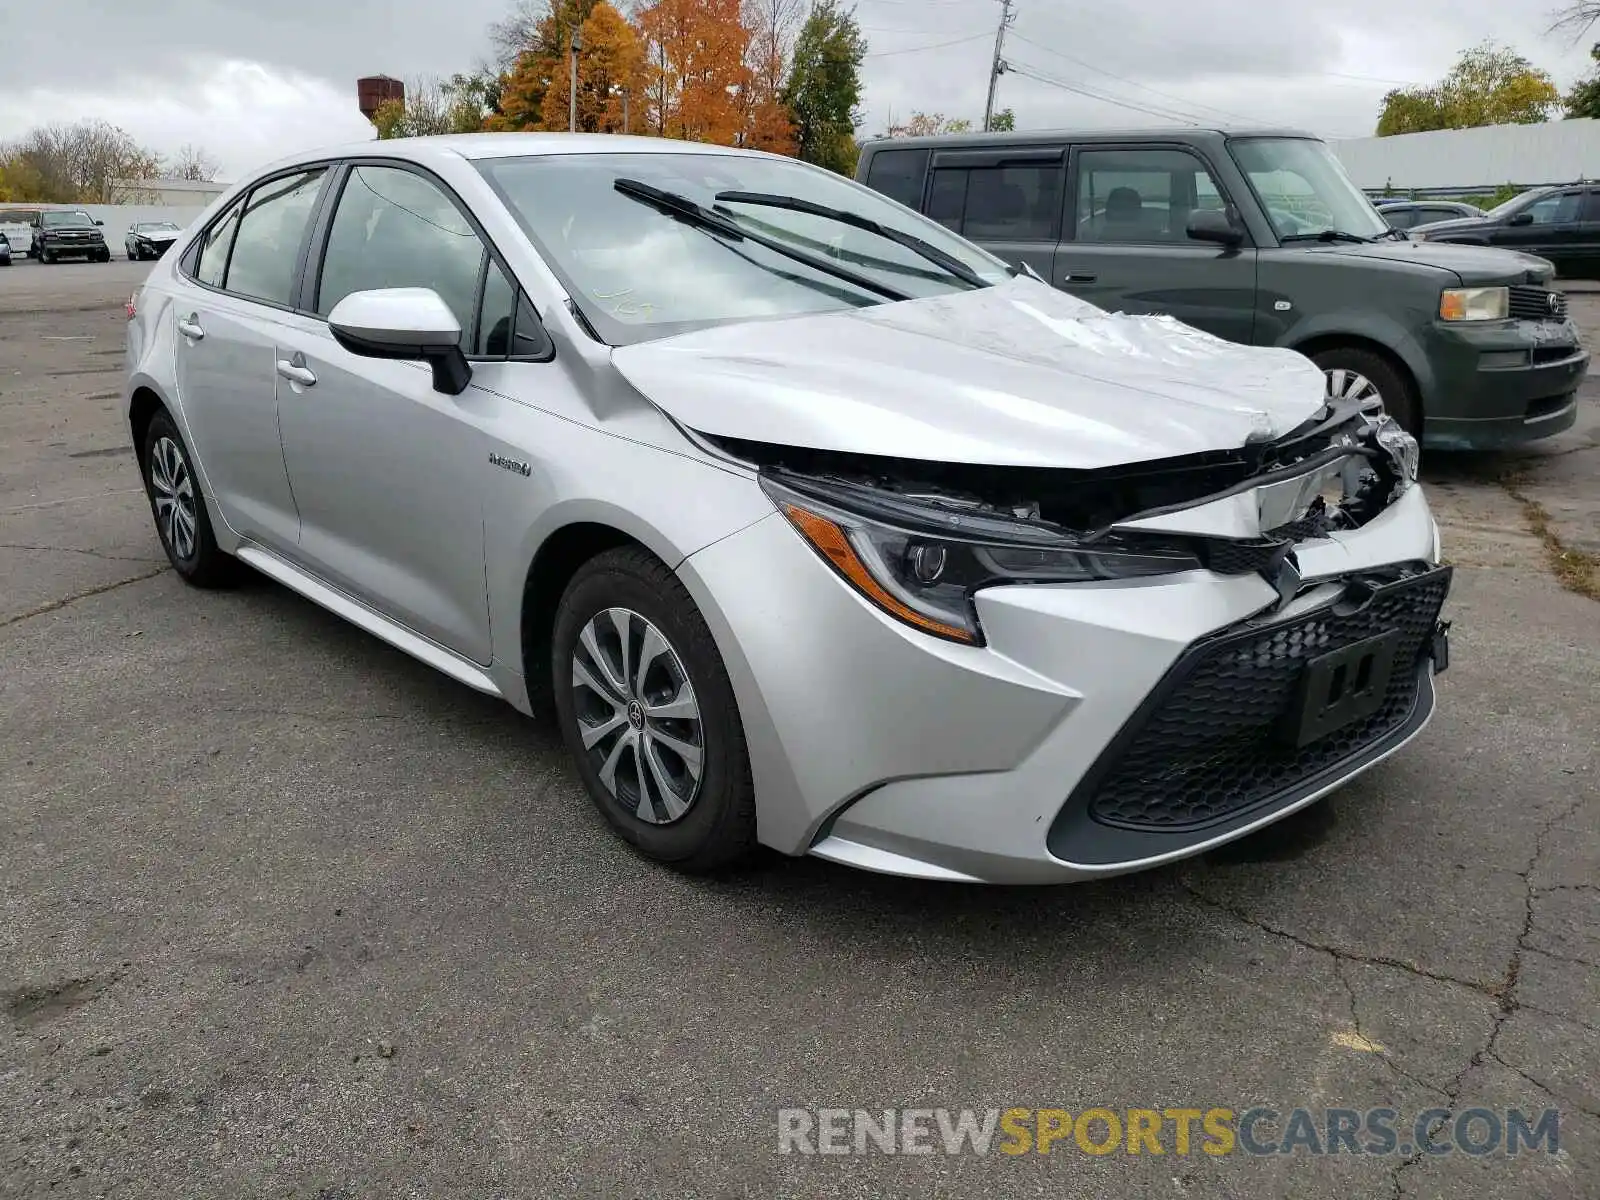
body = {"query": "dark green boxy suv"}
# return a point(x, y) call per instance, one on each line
point(1261, 238)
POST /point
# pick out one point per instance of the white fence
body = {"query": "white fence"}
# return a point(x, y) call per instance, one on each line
point(1466, 160)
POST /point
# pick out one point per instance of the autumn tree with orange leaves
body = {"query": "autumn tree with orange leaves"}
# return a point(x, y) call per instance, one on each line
point(772, 25)
point(539, 64)
point(695, 69)
point(611, 77)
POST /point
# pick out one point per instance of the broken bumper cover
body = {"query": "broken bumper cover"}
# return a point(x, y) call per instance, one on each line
point(876, 745)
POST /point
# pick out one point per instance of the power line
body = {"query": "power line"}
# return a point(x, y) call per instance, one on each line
point(934, 46)
point(1166, 115)
point(1190, 104)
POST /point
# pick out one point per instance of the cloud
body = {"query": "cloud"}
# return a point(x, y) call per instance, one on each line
point(252, 82)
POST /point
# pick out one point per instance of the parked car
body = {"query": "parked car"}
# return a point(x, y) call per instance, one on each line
point(149, 239)
point(1561, 224)
point(1403, 214)
point(68, 233)
point(817, 525)
point(1262, 239)
point(5, 251)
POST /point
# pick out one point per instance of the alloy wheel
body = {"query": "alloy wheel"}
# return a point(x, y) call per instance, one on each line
point(172, 492)
point(1345, 384)
point(637, 716)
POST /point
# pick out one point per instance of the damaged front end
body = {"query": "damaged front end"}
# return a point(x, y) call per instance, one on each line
point(919, 539)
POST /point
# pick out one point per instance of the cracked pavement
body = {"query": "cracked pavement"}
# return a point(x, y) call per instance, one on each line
point(284, 913)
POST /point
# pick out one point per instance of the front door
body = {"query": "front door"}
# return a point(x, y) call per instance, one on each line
point(1554, 231)
point(387, 471)
point(1126, 247)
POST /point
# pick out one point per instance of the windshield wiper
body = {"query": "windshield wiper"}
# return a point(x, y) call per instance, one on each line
point(924, 250)
point(691, 213)
point(1326, 235)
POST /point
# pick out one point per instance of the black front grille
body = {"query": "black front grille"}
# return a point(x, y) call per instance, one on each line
point(1241, 558)
point(1537, 304)
point(1206, 746)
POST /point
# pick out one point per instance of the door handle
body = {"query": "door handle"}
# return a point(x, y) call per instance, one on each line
point(294, 373)
point(190, 327)
point(1077, 280)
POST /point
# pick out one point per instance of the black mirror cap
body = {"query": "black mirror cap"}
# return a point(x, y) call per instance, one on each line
point(1521, 218)
point(1211, 225)
point(98, 221)
point(451, 371)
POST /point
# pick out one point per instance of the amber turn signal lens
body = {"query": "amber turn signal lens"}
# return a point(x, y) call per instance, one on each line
point(834, 545)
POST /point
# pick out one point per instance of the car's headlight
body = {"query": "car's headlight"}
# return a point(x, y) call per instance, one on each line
point(922, 562)
point(1475, 304)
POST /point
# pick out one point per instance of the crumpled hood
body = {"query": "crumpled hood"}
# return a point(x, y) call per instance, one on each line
point(157, 235)
point(1013, 375)
point(1469, 264)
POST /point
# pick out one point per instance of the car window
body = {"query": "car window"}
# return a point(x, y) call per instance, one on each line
point(1591, 206)
point(393, 228)
point(214, 249)
point(1404, 218)
point(1141, 195)
point(1439, 214)
point(266, 250)
point(898, 174)
point(1557, 209)
point(497, 314)
point(1014, 202)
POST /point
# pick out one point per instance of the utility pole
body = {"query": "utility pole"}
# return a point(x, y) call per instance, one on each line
point(626, 96)
point(999, 65)
point(572, 108)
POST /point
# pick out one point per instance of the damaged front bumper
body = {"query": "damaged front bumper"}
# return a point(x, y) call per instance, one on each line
point(1097, 726)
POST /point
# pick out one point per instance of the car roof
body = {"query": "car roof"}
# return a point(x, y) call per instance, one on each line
point(476, 146)
point(1164, 133)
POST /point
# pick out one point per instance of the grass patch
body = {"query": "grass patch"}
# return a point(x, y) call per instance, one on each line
point(1576, 570)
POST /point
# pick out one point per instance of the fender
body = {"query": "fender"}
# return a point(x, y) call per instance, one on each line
point(1371, 326)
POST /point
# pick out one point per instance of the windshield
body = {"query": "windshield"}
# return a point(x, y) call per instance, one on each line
point(638, 273)
point(1304, 189)
point(1517, 203)
point(65, 220)
point(153, 226)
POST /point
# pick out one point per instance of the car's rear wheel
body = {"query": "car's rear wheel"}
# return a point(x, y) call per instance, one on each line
point(1353, 373)
point(179, 509)
point(648, 713)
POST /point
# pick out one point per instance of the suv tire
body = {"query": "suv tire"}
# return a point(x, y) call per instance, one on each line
point(620, 607)
point(1353, 371)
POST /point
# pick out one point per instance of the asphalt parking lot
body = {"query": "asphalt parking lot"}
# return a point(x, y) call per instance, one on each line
point(284, 913)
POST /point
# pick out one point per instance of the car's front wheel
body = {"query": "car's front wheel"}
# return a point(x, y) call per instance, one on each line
point(1353, 373)
point(648, 713)
point(179, 509)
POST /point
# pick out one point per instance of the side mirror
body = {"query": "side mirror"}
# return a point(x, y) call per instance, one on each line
point(98, 221)
point(1521, 218)
point(412, 324)
point(1213, 225)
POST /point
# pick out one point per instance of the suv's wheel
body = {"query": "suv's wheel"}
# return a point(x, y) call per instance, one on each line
point(1356, 374)
point(648, 714)
point(180, 510)
point(46, 257)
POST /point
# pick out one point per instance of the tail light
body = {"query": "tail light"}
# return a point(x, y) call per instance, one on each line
point(132, 306)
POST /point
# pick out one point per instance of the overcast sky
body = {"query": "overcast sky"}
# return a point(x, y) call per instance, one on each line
point(251, 80)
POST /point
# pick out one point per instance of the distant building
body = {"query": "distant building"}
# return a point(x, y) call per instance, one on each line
point(177, 193)
point(1466, 161)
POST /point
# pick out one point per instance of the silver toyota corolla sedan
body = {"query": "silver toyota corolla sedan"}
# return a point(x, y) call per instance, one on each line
point(816, 525)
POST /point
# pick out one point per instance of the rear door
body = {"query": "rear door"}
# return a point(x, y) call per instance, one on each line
point(1126, 247)
point(1008, 200)
point(238, 289)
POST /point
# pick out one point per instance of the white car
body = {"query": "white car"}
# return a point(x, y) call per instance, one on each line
point(817, 525)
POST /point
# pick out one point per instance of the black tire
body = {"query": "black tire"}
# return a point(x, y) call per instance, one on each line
point(719, 827)
point(46, 258)
point(204, 565)
point(1394, 384)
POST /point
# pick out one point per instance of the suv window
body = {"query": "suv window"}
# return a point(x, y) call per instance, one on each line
point(393, 228)
point(898, 174)
point(1013, 202)
point(266, 248)
point(1405, 218)
point(1556, 210)
point(1591, 206)
point(214, 249)
point(1141, 195)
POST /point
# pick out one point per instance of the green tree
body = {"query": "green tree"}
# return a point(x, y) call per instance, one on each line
point(1004, 121)
point(545, 33)
point(459, 104)
point(1489, 85)
point(922, 124)
point(823, 94)
point(1584, 98)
